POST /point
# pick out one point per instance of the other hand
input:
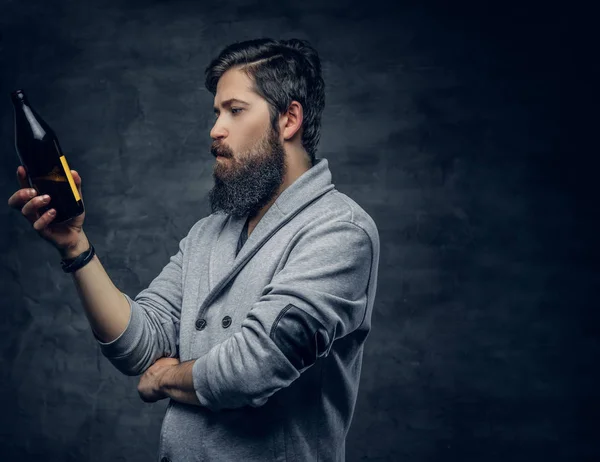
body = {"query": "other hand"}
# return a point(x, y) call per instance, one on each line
point(149, 386)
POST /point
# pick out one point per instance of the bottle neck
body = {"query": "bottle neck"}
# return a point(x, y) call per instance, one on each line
point(23, 111)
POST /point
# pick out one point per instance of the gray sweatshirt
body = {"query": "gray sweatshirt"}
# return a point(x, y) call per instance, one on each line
point(277, 331)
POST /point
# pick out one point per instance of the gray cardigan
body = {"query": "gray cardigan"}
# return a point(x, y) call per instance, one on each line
point(277, 332)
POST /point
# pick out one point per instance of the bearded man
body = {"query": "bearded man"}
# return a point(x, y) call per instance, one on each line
point(255, 329)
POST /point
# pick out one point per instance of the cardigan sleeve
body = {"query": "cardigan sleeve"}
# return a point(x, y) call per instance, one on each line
point(153, 328)
point(319, 295)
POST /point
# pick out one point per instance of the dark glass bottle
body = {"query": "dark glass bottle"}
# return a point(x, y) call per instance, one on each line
point(44, 161)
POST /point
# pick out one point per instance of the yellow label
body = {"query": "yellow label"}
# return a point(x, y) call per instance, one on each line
point(70, 178)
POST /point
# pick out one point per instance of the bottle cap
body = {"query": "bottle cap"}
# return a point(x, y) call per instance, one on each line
point(18, 95)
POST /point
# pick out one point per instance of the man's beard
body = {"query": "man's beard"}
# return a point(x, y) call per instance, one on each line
point(243, 186)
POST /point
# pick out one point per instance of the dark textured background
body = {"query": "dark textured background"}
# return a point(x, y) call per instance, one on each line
point(460, 128)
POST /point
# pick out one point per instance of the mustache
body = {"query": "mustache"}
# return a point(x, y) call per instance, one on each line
point(217, 149)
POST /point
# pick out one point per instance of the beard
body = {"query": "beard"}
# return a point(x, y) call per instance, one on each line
point(246, 184)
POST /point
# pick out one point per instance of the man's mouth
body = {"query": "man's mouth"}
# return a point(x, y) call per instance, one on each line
point(219, 155)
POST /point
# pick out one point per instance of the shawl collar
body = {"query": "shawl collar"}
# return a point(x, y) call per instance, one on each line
point(225, 265)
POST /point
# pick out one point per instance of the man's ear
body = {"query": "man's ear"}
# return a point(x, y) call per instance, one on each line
point(292, 120)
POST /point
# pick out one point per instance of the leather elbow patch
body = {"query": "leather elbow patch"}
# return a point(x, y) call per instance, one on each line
point(300, 337)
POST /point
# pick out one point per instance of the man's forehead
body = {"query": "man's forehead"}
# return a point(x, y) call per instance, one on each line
point(234, 84)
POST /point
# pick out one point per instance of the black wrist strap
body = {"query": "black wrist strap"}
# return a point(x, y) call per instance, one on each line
point(73, 264)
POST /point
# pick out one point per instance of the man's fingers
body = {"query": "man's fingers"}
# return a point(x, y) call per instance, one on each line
point(44, 220)
point(77, 180)
point(22, 177)
point(30, 209)
point(20, 198)
point(29, 203)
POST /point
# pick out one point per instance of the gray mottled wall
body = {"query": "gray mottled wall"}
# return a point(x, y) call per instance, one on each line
point(460, 128)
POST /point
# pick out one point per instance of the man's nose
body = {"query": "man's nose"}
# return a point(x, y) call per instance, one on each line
point(218, 132)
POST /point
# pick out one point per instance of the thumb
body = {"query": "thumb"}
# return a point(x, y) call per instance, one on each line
point(76, 179)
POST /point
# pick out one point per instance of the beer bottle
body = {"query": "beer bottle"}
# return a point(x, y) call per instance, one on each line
point(47, 169)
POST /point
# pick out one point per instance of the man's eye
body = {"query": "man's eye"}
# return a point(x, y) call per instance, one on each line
point(234, 111)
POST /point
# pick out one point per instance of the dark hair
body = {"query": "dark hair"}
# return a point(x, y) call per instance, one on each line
point(282, 71)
